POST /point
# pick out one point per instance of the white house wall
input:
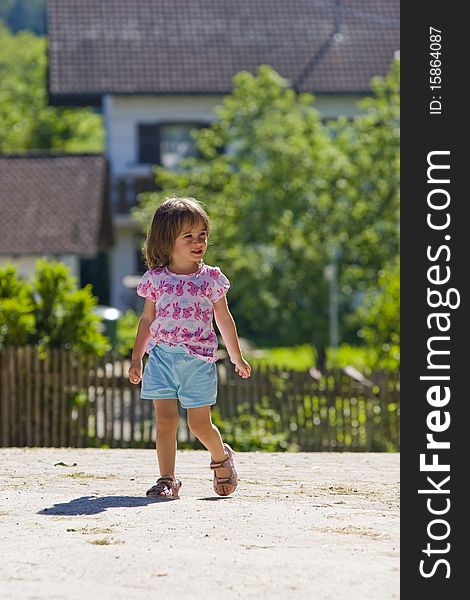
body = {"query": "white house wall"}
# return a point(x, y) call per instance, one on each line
point(26, 265)
point(122, 114)
point(122, 262)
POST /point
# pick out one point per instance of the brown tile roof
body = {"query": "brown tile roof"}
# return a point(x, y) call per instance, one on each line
point(51, 204)
point(196, 46)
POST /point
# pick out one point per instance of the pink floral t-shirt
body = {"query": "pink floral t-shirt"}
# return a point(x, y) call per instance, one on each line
point(184, 308)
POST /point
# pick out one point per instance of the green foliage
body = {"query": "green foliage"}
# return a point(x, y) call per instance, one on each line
point(26, 121)
point(298, 358)
point(366, 224)
point(379, 316)
point(248, 433)
point(288, 194)
point(16, 308)
point(264, 194)
point(380, 313)
point(48, 312)
point(364, 359)
point(126, 332)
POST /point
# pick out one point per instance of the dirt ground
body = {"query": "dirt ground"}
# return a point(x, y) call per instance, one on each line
point(301, 525)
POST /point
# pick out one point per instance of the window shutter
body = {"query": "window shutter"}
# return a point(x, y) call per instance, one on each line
point(149, 143)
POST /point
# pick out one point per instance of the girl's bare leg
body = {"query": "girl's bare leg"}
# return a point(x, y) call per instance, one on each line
point(200, 423)
point(167, 420)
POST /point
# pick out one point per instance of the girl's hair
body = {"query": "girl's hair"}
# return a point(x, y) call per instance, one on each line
point(168, 222)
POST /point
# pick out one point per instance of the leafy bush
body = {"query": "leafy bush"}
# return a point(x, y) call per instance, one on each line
point(361, 358)
point(298, 358)
point(49, 312)
point(126, 331)
point(248, 433)
point(16, 309)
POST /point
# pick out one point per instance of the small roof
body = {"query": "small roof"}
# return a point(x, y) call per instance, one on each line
point(54, 204)
point(197, 46)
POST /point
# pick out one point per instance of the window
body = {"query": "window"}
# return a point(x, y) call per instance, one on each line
point(149, 143)
point(166, 143)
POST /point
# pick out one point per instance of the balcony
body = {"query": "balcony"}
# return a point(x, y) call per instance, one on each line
point(125, 189)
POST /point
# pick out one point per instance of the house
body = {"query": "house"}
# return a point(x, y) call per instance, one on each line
point(57, 206)
point(157, 68)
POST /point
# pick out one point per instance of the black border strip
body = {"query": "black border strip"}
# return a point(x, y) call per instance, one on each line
point(423, 411)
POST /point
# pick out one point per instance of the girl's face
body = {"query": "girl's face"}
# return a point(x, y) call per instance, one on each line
point(190, 245)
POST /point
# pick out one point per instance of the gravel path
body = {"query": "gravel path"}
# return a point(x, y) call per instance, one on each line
point(300, 525)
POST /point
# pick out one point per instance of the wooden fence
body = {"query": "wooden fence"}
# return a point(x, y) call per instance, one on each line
point(66, 399)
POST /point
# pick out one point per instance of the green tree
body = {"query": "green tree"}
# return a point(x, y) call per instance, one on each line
point(289, 193)
point(380, 315)
point(265, 195)
point(26, 121)
point(365, 224)
point(49, 311)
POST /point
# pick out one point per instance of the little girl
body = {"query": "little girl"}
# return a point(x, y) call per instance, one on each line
point(182, 295)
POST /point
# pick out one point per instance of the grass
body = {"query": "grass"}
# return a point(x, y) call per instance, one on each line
point(351, 530)
point(91, 530)
point(105, 542)
point(82, 475)
point(299, 358)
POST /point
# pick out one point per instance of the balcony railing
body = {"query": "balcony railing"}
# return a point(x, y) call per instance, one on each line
point(125, 189)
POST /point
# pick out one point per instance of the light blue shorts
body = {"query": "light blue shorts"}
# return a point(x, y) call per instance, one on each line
point(171, 372)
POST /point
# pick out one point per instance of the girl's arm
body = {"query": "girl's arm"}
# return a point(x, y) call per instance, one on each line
point(228, 330)
point(141, 339)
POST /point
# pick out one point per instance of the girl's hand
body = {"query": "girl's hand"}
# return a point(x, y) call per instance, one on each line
point(242, 368)
point(135, 371)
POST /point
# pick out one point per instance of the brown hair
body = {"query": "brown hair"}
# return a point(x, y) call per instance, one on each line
point(168, 221)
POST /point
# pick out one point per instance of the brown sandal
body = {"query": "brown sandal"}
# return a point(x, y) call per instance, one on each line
point(221, 484)
point(166, 487)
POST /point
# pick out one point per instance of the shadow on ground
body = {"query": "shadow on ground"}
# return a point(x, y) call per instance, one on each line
point(91, 505)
